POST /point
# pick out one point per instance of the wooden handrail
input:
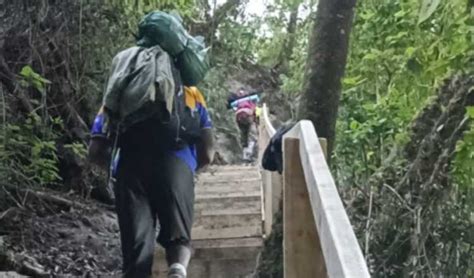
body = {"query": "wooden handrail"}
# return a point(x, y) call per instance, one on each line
point(270, 130)
point(318, 238)
point(271, 181)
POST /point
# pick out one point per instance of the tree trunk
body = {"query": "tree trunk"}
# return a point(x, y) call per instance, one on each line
point(289, 42)
point(327, 55)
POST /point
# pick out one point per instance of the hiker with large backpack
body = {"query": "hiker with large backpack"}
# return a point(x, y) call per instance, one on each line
point(154, 132)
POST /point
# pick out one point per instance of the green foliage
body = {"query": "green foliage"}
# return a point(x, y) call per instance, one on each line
point(237, 42)
point(31, 78)
point(28, 146)
point(428, 7)
point(400, 52)
point(463, 166)
point(28, 152)
point(79, 149)
point(216, 96)
point(133, 11)
point(292, 82)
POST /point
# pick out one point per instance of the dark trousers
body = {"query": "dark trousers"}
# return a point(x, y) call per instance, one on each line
point(247, 129)
point(152, 186)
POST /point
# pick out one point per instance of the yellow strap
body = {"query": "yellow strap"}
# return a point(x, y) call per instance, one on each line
point(193, 96)
point(258, 111)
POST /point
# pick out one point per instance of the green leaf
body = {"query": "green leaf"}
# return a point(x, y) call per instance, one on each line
point(353, 81)
point(470, 112)
point(428, 7)
point(354, 125)
point(370, 56)
point(409, 51)
point(400, 13)
point(26, 71)
point(31, 78)
point(414, 65)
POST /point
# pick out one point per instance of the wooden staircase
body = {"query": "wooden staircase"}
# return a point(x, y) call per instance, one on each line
point(227, 232)
point(318, 239)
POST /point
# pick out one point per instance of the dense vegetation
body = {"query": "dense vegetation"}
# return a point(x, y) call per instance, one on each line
point(404, 137)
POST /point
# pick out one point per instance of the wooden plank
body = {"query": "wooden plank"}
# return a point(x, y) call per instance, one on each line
point(228, 206)
point(226, 176)
point(228, 243)
point(270, 203)
point(230, 183)
point(266, 120)
point(228, 200)
point(230, 211)
point(222, 169)
point(234, 220)
point(209, 196)
point(341, 250)
point(228, 188)
point(221, 249)
point(267, 202)
point(233, 232)
point(277, 191)
point(302, 255)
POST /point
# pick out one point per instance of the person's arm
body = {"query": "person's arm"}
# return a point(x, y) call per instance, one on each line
point(99, 149)
point(205, 148)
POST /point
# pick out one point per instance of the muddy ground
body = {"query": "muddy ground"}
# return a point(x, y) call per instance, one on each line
point(69, 236)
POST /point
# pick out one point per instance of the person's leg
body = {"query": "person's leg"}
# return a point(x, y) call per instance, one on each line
point(178, 257)
point(175, 191)
point(244, 127)
point(136, 220)
point(253, 141)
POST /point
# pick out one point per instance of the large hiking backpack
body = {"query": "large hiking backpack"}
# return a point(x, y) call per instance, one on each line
point(167, 30)
point(144, 84)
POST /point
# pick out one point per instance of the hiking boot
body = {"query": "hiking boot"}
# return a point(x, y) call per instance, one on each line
point(177, 271)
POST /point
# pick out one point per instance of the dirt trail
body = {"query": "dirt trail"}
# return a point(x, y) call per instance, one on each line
point(44, 238)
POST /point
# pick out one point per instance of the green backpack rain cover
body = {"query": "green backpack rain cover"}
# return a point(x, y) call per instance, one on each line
point(166, 30)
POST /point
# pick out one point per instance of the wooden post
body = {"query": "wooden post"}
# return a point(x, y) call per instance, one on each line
point(277, 191)
point(267, 202)
point(302, 253)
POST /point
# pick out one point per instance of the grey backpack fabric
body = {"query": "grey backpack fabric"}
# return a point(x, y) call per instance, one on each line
point(140, 84)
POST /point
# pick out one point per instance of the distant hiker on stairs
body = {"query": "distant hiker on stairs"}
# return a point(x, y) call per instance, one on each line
point(245, 107)
point(156, 133)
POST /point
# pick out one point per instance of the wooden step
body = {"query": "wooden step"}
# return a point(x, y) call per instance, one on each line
point(217, 195)
point(228, 248)
point(230, 168)
point(214, 223)
point(234, 257)
point(228, 243)
point(229, 175)
point(228, 188)
point(203, 268)
point(219, 181)
point(227, 229)
point(227, 226)
point(222, 206)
